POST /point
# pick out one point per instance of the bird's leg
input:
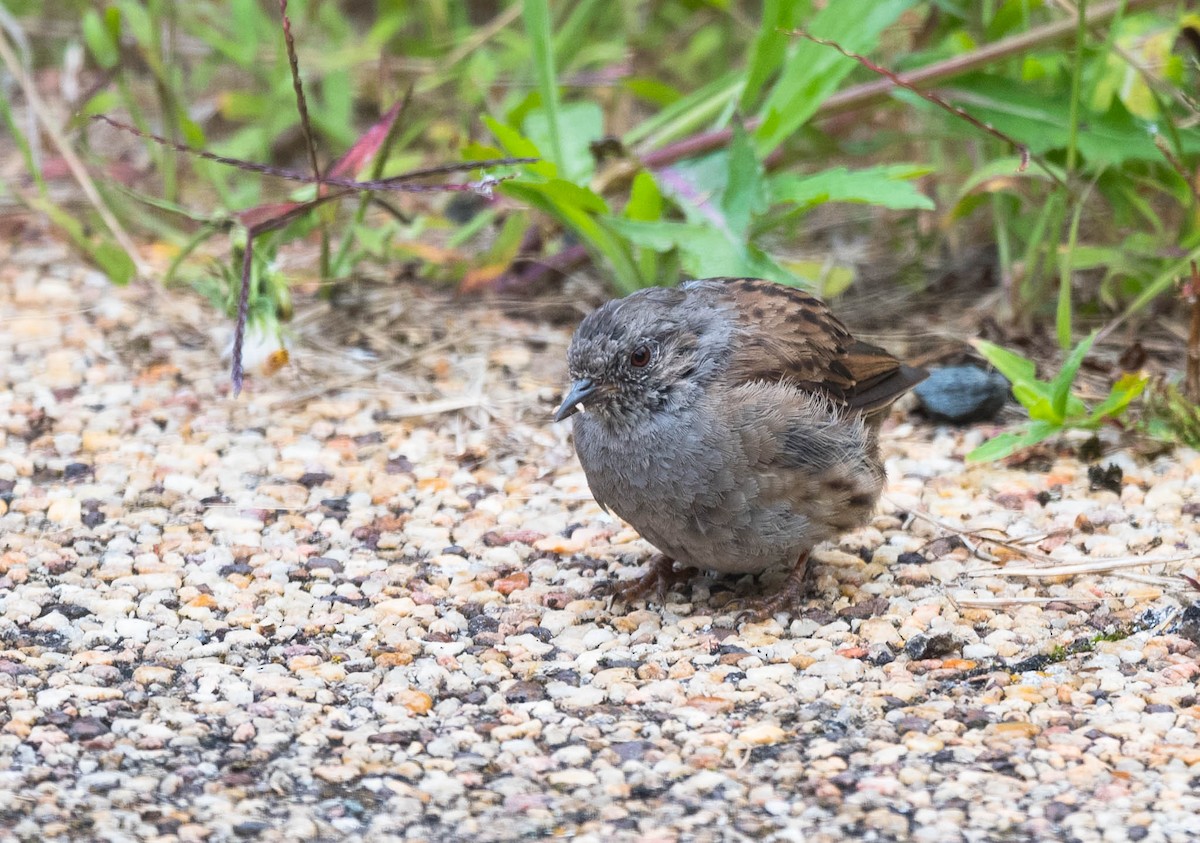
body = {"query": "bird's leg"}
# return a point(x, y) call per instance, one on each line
point(791, 590)
point(659, 579)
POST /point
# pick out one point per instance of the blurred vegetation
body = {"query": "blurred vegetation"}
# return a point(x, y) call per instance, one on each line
point(691, 137)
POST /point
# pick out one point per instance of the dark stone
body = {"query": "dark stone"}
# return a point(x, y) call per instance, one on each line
point(86, 728)
point(631, 750)
point(962, 394)
point(1189, 623)
point(399, 465)
point(912, 724)
point(314, 478)
point(68, 610)
point(77, 471)
point(324, 562)
point(541, 634)
point(454, 550)
point(865, 609)
point(570, 677)
point(525, 691)
point(251, 828)
point(482, 623)
point(880, 654)
point(1109, 477)
point(1056, 812)
point(922, 646)
point(393, 738)
point(93, 518)
point(911, 558)
point(975, 718)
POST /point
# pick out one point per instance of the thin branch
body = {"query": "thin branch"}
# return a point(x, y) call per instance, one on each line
point(399, 182)
point(298, 86)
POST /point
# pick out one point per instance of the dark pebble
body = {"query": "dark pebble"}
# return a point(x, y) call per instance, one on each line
point(314, 478)
point(482, 623)
point(251, 828)
point(922, 646)
point(524, 691)
point(77, 471)
point(1107, 478)
point(962, 394)
point(1189, 623)
point(631, 750)
point(86, 728)
point(912, 724)
point(324, 562)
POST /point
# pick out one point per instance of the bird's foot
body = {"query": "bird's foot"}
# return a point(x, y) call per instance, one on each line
point(790, 592)
point(659, 579)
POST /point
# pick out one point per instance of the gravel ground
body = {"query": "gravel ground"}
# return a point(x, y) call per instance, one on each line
point(365, 602)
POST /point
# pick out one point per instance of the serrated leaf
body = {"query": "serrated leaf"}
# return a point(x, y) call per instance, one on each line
point(887, 186)
point(580, 123)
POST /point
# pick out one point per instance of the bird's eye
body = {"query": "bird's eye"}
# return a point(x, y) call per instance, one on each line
point(640, 356)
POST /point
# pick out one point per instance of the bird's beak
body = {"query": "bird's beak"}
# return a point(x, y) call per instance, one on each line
point(580, 390)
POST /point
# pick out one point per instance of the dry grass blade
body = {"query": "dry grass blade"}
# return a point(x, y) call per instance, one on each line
point(1090, 566)
point(73, 162)
point(298, 87)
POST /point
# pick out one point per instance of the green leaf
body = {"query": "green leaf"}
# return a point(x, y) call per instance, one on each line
point(100, 41)
point(1006, 444)
point(575, 207)
point(742, 196)
point(137, 22)
point(519, 146)
point(703, 251)
point(1127, 388)
point(1060, 387)
point(887, 186)
point(115, 262)
point(652, 91)
point(1034, 397)
point(770, 46)
point(813, 71)
point(645, 201)
point(1037, 120)
point(581, 123)
point(1000, 175)
point(539, 30)
point(688, 114)
point(1013, 366)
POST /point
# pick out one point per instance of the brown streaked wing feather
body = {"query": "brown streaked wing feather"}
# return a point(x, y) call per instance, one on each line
point(788, 335)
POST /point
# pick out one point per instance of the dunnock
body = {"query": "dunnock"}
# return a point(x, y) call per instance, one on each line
point(733, 422)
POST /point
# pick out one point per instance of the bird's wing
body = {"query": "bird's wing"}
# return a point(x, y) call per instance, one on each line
point(786, 335)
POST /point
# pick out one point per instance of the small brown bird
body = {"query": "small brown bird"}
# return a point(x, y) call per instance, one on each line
point(733, 422)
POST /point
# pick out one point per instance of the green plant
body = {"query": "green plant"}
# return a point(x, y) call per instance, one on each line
point(709, 215)
point(1120, 162)
point(1051, 405)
